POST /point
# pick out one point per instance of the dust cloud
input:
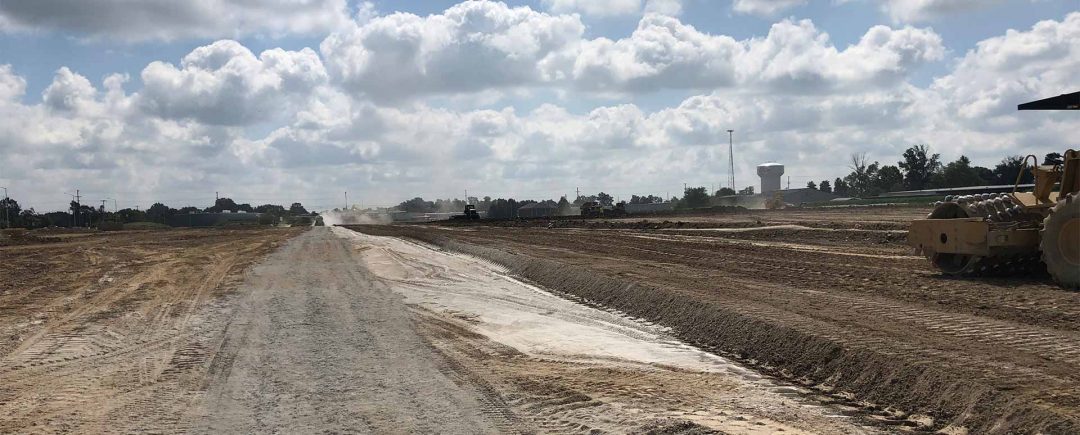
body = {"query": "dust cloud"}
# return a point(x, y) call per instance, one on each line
point(355, 217)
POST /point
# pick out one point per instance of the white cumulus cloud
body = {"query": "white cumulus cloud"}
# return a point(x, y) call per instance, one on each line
point(225, 84)
point(1016, 67)
point(471, 46)
point(169, 19)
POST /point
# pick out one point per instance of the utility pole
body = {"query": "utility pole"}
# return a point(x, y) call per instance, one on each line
point(577, 193)
point(75, 197)
point(7, 215)
point(346, 200)
point(731, 158)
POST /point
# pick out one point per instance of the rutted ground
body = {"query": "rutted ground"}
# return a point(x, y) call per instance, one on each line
point(114, 332)
point(565, 367)
point(845, 310)
point(165, 332)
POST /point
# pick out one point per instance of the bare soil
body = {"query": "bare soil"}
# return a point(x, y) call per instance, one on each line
point(560, 366)
point(311, 331)
point(831, 299)
point(112, 332)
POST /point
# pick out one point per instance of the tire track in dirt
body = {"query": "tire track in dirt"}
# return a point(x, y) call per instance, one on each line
point(140, 335)
point(886, 310)
point(493, 311)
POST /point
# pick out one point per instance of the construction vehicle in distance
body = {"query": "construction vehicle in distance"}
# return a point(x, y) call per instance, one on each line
point(1012, 232)
point(593, 209)
point(470, 213)
point(776, 202)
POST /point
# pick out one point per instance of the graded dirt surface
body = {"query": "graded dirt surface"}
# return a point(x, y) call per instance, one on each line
point(831, 299)
point(559, 366)
point(113, 332)
point(330, 331)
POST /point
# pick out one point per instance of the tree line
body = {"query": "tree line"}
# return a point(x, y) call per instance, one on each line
point(82, 215)
point(919, 169)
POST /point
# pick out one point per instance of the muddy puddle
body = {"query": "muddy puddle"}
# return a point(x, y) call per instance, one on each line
point(543, 325)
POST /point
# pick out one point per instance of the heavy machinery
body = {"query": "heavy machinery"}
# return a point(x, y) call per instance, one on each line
point(470, 213)
point(1012, 232)
point(776, 202)
point(593, 209)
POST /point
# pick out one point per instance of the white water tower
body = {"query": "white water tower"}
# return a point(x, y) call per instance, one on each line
point(770, 174)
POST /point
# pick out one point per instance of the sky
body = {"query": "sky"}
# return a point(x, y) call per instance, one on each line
point(280, 101)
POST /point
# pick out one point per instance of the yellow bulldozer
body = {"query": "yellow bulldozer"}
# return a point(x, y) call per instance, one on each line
point(1012, 232)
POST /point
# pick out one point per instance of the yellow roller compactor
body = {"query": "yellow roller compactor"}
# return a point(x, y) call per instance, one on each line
point(1012, 232)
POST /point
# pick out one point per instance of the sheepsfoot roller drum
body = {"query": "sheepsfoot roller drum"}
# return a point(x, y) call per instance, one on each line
point(1009, 233)
point(1061, 241)
point(978, 234)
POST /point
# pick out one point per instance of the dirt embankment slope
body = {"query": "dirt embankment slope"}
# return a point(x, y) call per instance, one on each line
point(113, 332)
point(830, 309)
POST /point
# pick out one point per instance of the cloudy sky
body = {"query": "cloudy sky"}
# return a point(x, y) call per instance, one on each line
point(300, 100)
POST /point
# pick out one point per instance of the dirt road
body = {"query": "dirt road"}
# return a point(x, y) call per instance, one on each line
point(319, 345)
point(841, 305)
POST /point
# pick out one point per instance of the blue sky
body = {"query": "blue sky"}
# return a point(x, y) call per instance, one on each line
point(335, 111)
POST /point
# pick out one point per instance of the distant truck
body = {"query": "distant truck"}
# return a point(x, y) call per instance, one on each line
point(593, 209)
point(470, 213)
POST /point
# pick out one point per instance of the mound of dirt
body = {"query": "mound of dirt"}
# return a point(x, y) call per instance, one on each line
point(19, 236)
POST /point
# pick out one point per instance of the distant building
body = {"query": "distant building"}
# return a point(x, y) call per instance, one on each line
point(649, 208)
point(539, 209)
point(806, 195)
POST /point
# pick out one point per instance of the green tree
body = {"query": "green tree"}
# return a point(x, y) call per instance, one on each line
point(986, 176)
point(725, 191)
point(840, 187)
point(9, 213)
point(888, 179)
point(417, 205)
point(959, 173)
point(861, 179)
point(1009, 168)
point(297, 209)
point(811, 185)
point(919, 166)
point(605, 199)
point(825, 186)
point(222, 204)
point(159, 212)
point(695, 197)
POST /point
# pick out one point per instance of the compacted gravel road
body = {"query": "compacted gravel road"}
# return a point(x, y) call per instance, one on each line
point(318, 345)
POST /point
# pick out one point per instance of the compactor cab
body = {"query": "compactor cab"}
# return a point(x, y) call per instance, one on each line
point(1012, 232)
